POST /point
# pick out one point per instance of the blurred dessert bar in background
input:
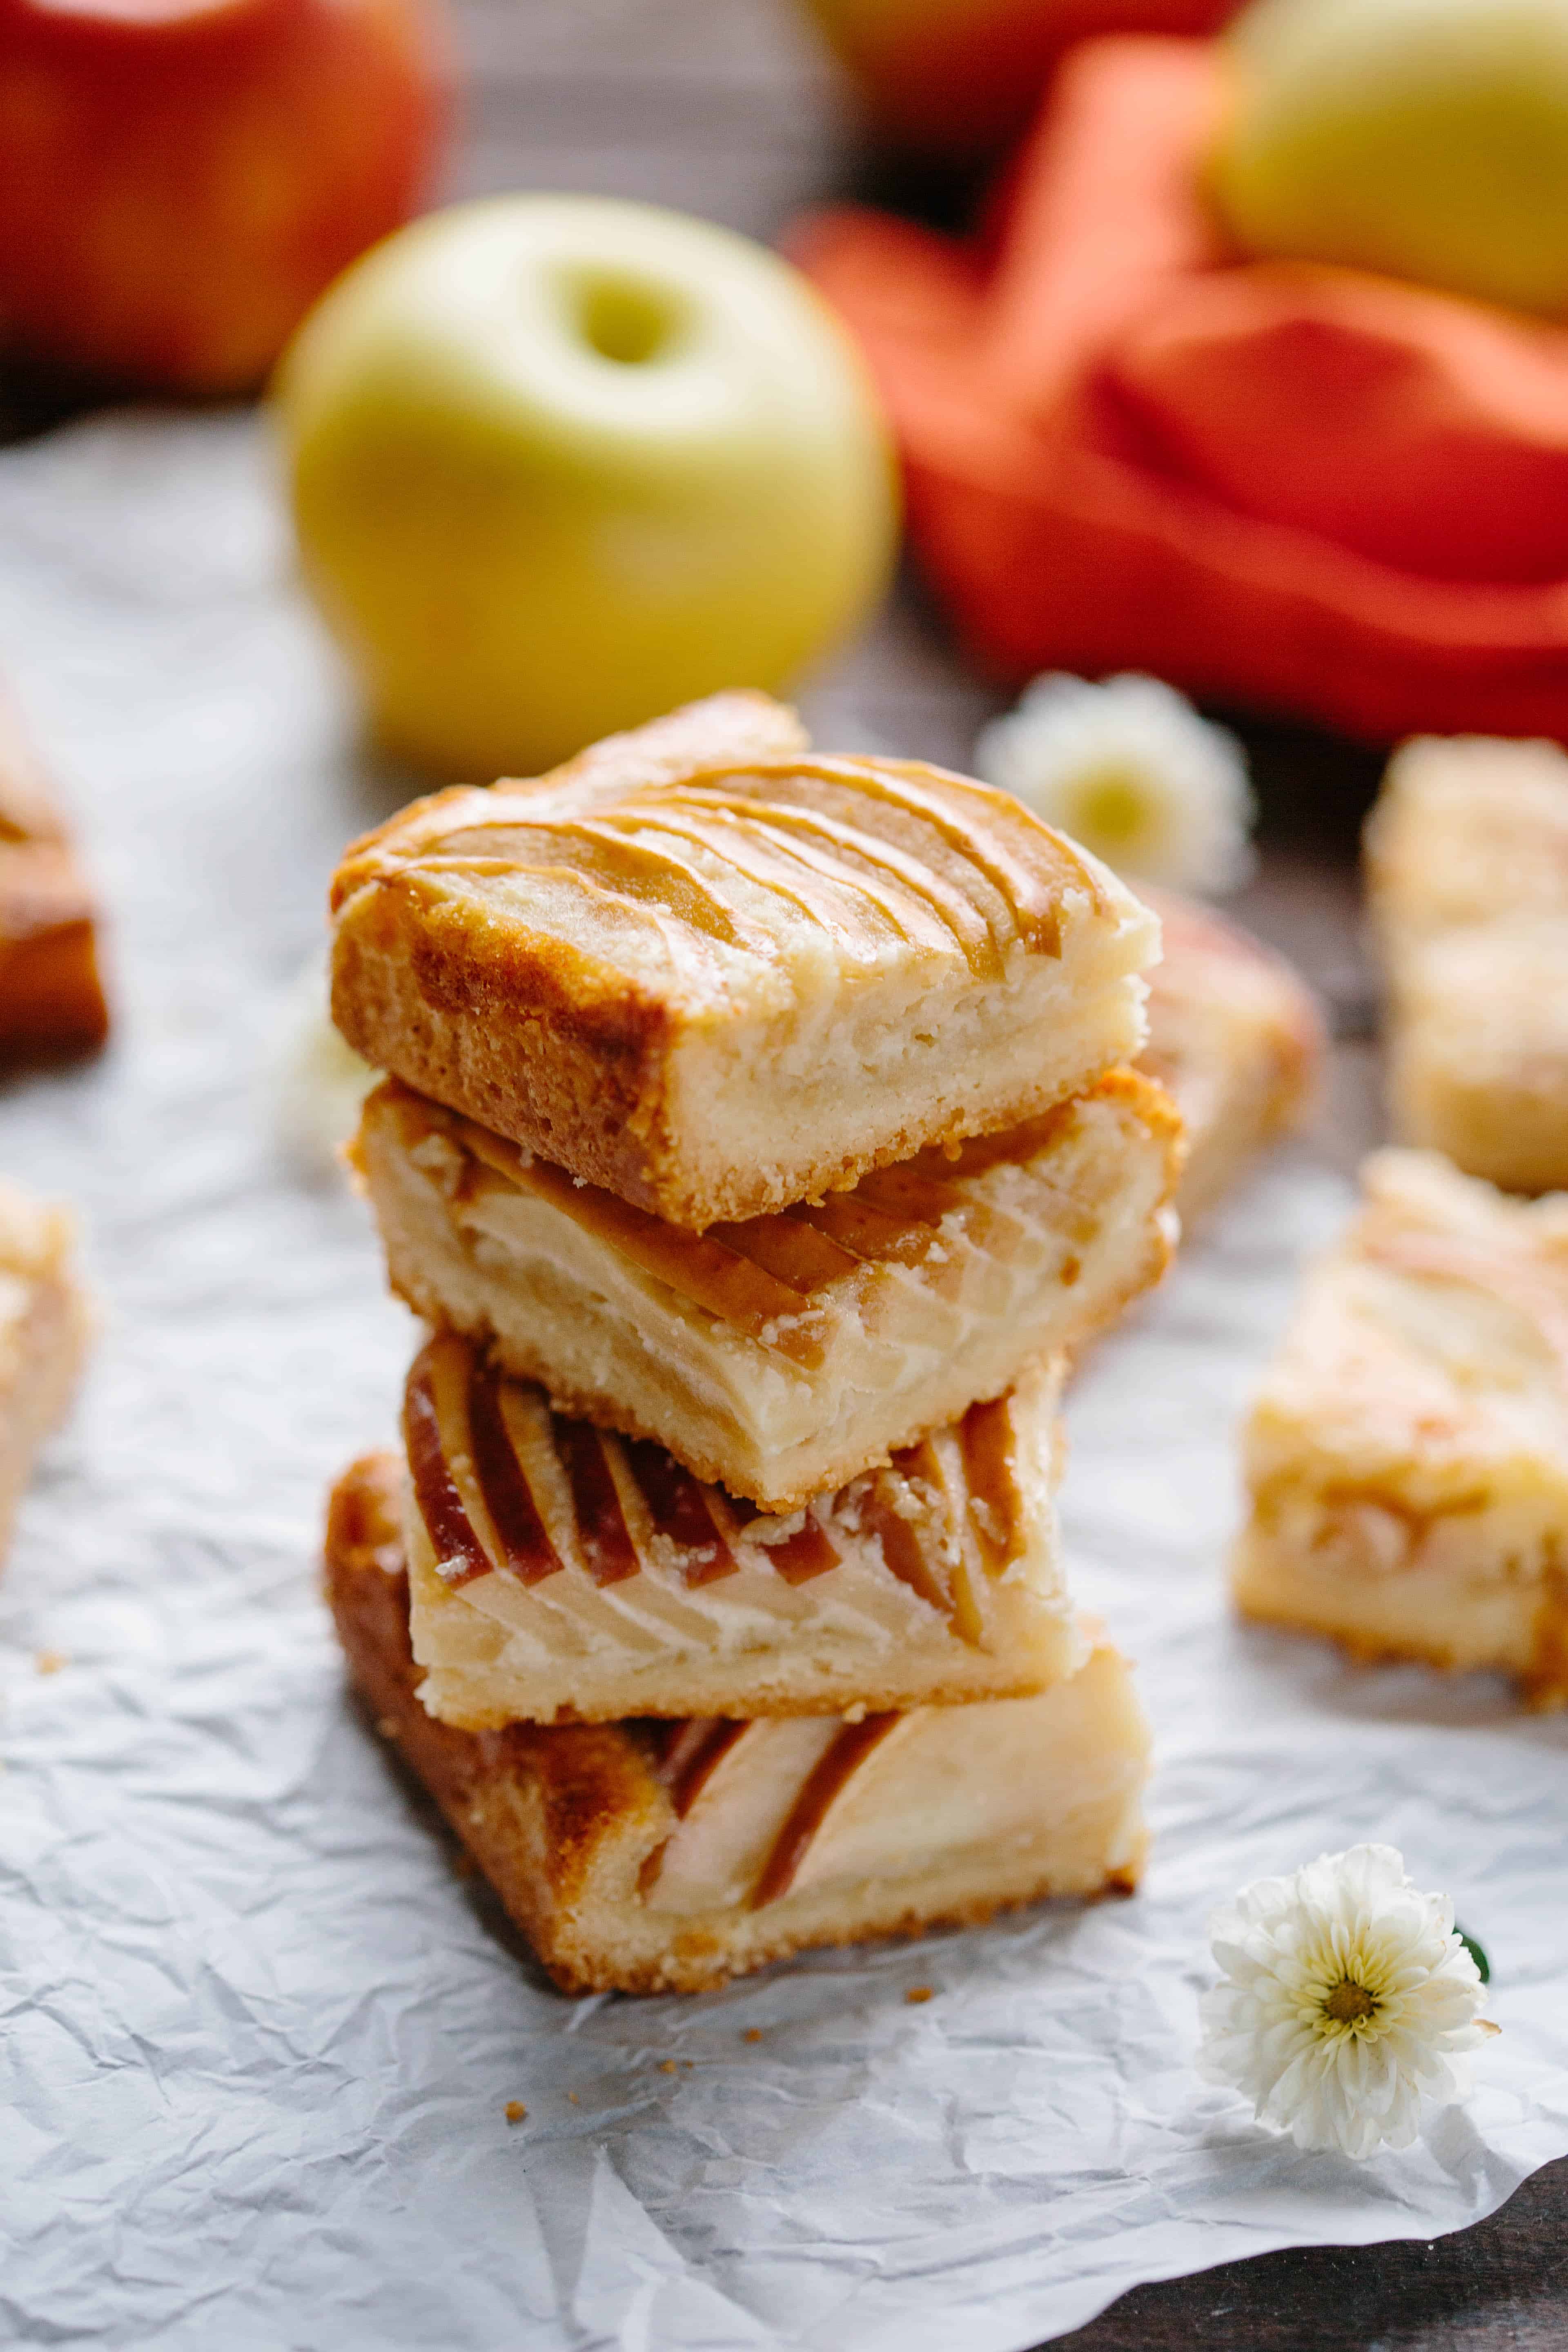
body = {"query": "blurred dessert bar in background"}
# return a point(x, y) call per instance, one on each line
point(1467, 862)
point(1408, 1457)
point(721, 983)
point(44, 1325)
point(51, 997)
point(1236, 1036)
point(792, 1352)
point(654, 1856)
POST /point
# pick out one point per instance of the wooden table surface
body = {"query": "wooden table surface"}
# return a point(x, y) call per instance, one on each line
point(725, 108)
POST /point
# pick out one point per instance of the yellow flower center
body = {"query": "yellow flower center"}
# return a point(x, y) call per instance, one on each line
point(1350, 2004)
point(1113, 805)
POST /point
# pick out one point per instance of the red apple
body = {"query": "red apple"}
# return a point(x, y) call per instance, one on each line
point(957, 76)
point(179, 179)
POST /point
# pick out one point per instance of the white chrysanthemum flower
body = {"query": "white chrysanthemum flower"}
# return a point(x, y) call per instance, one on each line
point(318, 1081)
point(1130, 771)
point(1348, 2001)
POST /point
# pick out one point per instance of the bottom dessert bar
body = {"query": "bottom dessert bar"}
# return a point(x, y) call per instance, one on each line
point(650, 1858)
point(44, 1326)
point(1407, 1456)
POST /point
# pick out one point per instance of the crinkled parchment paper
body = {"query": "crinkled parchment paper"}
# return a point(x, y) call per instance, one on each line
point(258, 2035)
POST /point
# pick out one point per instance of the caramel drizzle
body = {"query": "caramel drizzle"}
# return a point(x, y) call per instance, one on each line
point(841, 854)
point(825, 1782)
point(601, 858)
point(901, 785)
point(630, 854)
point(773, 866)
point(1022, 862)
point(1032, 902)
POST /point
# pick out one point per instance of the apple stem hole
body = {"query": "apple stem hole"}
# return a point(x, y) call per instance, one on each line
point(625, 322)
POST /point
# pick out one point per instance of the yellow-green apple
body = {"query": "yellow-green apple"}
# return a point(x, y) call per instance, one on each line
point(559, 463)
point(179, 179)
point(957, 76)
point(1428, 138)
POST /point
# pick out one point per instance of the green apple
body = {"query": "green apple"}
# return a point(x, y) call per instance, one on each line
point(1428, 138)
point(560, 463)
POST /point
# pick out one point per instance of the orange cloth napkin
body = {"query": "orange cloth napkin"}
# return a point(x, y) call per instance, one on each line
point(1305, 489)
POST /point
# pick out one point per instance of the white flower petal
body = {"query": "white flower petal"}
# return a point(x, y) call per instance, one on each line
point(1353, 2077)
point(1131, 772)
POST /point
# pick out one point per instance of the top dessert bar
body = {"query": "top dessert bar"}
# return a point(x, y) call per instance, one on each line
point(51, 999)
point(717, 973)
point(1468, 875)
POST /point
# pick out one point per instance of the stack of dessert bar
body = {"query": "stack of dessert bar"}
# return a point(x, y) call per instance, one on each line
point(759, 1138)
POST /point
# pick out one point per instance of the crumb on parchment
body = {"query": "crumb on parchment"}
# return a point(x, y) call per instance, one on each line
point(918, 1993)
point(515, 2111)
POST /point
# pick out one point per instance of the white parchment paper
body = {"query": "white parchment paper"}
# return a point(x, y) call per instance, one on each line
point(257, 2036)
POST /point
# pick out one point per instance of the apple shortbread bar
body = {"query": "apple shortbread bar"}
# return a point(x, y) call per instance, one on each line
point(1408, 1458)
point(44, 1327)
point(788, 1353)
point(715, 972)
point(1468, 875)
point(654, 1856)
point(1237, 1036)
point(561, 1573)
